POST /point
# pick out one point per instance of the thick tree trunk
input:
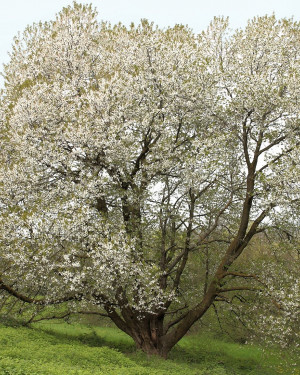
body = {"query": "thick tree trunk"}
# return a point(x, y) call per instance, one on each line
point(150, 345)
point(147, 332)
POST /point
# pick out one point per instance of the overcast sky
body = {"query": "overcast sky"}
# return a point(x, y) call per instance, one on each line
point(15, 15)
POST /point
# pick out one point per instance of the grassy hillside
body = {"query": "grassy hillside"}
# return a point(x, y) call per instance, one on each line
point(63, 349)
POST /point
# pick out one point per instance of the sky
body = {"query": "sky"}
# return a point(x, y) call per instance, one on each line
point(15, 15)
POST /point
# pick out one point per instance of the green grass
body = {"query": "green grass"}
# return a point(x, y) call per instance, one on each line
point(64, 349)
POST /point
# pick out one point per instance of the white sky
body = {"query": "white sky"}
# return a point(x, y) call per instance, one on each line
point(15, 15)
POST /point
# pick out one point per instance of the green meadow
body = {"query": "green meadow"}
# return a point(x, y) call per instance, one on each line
point(67, 349)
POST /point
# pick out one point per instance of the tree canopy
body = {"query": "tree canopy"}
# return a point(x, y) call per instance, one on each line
point(138, 163)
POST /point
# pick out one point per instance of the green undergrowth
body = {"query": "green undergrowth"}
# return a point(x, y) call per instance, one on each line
point(67, 349)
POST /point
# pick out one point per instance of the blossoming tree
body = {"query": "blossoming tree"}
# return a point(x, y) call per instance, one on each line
point(129, 156)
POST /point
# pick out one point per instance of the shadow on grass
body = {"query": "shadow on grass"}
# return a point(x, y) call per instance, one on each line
point(92, 338)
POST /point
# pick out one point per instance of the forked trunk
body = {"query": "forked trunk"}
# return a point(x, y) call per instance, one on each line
point(152, 334)
point(147, 332)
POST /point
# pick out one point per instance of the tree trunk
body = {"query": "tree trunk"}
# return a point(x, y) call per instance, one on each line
point(147, 332)
point(150, 345)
